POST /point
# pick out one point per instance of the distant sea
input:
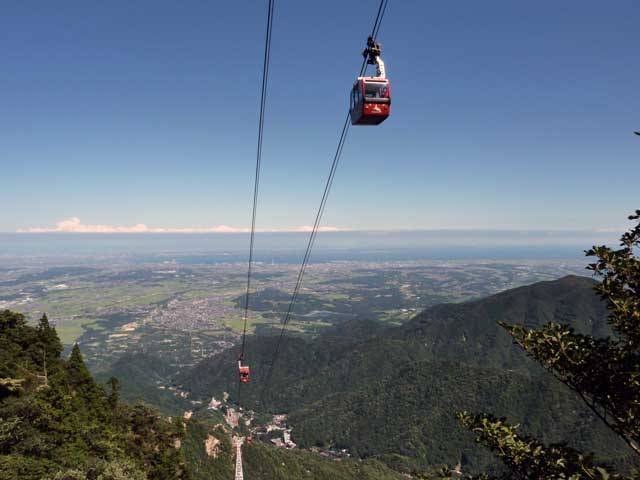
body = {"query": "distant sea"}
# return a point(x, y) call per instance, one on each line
point(374, 246)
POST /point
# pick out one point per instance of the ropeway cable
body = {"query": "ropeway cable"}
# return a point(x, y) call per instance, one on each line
point(314, 232)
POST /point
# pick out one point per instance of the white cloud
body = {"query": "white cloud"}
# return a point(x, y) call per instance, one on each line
point(611, 229)
point(309, 228)
point(75, 225)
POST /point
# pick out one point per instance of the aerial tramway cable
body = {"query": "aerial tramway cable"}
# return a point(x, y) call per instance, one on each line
point(325, 195)
point(382, 8)
point(263, 100)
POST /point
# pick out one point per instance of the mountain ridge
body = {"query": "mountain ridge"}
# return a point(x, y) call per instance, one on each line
point(336, 388)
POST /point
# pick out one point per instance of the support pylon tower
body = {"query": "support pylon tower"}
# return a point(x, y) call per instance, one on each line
point(239, 474)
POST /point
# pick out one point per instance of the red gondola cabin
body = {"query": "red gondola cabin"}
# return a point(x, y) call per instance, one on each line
point(370, 101)
point(243, 370)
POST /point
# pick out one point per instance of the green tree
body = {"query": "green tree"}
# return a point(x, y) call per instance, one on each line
point(73, 429)
point(114, 392)
point(121, 470)
point(71, 474)
point(11, 320)
point(49, 337)
point(527, 458)
point(78, 374)
point(604, 372)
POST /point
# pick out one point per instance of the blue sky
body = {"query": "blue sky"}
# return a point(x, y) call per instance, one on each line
point(505, 114)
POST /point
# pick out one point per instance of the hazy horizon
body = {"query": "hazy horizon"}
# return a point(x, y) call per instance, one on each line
point(287, 247)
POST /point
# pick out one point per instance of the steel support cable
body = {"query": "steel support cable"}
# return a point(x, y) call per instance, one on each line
point(376, 26)
point(263, 101)
point(314, 232)
point(305, 261)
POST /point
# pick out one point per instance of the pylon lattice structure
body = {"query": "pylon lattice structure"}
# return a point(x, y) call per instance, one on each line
point(238, 441)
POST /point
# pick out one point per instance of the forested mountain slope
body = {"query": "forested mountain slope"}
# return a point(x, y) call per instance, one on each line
point(469, 331)
point(56, 422)
point(140, 375)
point(393, 394)
point(263, 461)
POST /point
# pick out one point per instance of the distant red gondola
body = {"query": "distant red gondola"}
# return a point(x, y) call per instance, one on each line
point(243, 371)
point(371, 96)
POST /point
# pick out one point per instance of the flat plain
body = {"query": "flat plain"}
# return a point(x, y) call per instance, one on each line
point(186, 312)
